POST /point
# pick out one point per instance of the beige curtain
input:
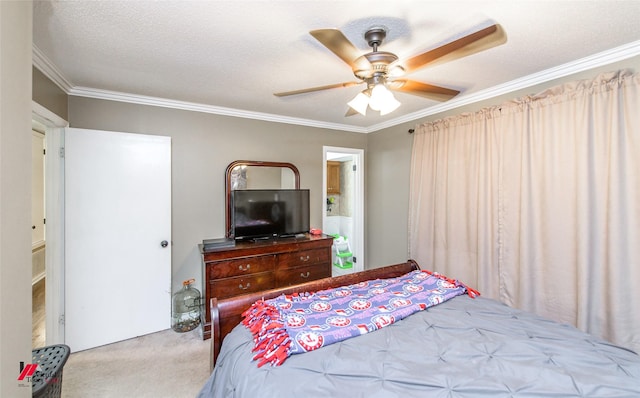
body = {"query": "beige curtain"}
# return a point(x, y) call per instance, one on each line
point(537, 203)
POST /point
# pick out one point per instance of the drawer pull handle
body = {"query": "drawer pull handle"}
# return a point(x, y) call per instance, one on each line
point(247, 268)
point(244, 287)
point(305, 275)
point(304, 258)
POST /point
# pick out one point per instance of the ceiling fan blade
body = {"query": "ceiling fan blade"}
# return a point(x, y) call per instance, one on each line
point(423, 89)
point(320, 88)
point(337, 42)
point(481, 40)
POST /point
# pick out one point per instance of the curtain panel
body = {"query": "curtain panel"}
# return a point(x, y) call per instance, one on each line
point(536, 202)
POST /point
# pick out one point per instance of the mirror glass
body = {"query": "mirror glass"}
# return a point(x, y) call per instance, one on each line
point(262, 177)
point(249, 174)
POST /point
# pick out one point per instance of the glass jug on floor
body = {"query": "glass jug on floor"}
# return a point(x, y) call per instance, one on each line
point(185, 314)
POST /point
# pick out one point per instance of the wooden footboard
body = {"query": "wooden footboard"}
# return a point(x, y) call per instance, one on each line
point(227, 313)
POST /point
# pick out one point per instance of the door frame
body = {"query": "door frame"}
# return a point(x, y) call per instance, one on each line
point(358, 217)
point(53, 127)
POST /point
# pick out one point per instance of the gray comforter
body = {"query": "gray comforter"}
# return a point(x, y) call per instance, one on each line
point(461, 348)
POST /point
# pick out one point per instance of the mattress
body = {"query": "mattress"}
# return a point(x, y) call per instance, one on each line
point(463, 347)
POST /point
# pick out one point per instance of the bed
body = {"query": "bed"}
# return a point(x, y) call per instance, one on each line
point(463, 347)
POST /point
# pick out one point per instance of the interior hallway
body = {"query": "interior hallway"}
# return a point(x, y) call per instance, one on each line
point(38, 314)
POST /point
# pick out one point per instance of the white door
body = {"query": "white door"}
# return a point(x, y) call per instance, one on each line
point(117, 236)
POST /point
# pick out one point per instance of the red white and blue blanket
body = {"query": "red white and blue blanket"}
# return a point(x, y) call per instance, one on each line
point(293, 324)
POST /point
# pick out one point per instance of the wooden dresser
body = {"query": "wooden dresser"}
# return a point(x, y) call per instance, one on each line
point(253, 266)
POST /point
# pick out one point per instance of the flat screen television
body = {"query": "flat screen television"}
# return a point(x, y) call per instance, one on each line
point(269, 213)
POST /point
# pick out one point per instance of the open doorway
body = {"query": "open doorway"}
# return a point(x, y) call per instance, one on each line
point(343, 198)
point(38, 236)
point(47, 122)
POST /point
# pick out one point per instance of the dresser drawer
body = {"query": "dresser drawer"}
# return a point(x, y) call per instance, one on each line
point(228, 287)
point(304, 257)
point(306, 273)
point(241, 266)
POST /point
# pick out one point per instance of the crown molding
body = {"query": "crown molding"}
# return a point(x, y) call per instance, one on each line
point(47, 67)
point(593, 61)
point(217, 110)
point(616, 54)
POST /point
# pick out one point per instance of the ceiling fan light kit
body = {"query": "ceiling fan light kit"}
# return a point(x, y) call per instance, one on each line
point(379, 98)
point(383, 100)
point(380, 69)
point(360, 103)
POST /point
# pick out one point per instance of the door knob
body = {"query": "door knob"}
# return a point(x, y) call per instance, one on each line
point(164, 243)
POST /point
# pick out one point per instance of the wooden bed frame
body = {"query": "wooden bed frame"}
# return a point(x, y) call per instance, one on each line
point(227, 313)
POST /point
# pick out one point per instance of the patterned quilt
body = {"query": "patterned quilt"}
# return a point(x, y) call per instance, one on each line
point(293, 324)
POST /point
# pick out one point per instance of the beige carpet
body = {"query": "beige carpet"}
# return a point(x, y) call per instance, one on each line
point(163, 364)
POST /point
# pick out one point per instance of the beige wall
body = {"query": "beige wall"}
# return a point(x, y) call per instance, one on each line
point(15, 193)
point(387, 192)
point(49, 95)
point(202, 147)
point(389, 153)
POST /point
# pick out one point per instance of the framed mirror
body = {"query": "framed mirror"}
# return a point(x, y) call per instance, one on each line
point(252, 174)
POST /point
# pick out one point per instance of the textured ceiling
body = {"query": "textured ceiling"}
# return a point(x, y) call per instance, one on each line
point(229, 57)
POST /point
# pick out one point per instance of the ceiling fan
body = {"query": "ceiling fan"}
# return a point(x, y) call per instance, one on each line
point(383, 71)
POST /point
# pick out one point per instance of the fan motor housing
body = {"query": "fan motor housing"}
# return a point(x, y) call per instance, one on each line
point(379, 60)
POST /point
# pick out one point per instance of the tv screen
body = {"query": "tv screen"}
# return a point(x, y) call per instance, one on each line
point(266, 213)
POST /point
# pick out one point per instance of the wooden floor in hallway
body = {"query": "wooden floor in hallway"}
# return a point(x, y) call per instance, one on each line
point(38, 314)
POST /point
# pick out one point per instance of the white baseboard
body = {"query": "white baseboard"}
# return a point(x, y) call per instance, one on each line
point(38, 278)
